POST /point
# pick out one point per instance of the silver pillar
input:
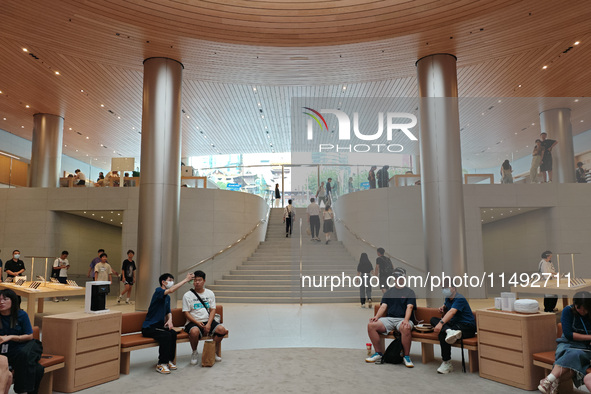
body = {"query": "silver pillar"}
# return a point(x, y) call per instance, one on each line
point(441, 165)
point(46, 153)
point(158, 224)
point(556, 123)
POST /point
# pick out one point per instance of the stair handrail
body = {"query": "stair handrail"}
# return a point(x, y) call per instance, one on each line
point(301, 267)
point(260, 222)
point(375, 247)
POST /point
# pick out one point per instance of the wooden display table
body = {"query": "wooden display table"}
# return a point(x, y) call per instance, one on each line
point(91, 345)
point(36, 296)
point(562, 290)
point(507, 341)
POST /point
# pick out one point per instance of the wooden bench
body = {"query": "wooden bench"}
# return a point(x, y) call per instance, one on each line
point(427, 340)
point(51, 363)
point(132, 338)
point(546, 361)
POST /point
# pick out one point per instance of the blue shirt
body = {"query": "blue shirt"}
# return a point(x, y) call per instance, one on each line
point(94, 262)
point(398, 300)
point(22, 327)
point(573, 322)
point(158, 309)
point(464, 313)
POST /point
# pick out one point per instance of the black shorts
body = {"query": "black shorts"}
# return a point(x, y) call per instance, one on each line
point(546, 163)
point(190, 325)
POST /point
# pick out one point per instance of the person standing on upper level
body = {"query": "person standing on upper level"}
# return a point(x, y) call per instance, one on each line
point(546, 163)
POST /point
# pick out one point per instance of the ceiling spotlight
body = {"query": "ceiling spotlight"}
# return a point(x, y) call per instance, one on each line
point(57, 73)
point(65, 145)
point(133, 128)
point(4, 118)
point(25, 50)
point(76, 150)
point(345, 87)
point(70, 129)
point(581, 120)
point(0, 91)
point(533, 124)
point(102, 145)
point(499, 101)
point(518, 86)
point(576, 100)
point(259, 104)
point(102, 105)
point(81, 90)
point(27, 106)
point(254, 89)
point(577, 42)
point(188, 117)
point(87, 137)
point(545, 67)
point(22, 127)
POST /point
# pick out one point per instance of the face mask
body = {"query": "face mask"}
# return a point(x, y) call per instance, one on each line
point(446, 293)
point(16, 256)
point(169, 284)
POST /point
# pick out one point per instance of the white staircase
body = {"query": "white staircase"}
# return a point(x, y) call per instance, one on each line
point(272, 273)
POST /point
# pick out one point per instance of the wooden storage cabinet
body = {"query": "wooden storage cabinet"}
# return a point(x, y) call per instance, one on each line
point(91, 344)
point(506, 343)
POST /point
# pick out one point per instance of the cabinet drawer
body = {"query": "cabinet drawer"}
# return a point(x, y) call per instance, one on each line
point(499, 354)
point(97, 374)
point(500, 340)
point(502, 371)
point(99, 326)
point(499, 324)
point(98, 342)
point(95, 357)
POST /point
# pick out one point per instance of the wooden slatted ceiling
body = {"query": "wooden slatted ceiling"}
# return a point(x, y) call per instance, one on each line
point(296, 49)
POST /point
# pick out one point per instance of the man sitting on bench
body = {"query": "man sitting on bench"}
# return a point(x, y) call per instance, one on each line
point(399, 302)
point(457, 323)
point(199, 308)
point(158, 323)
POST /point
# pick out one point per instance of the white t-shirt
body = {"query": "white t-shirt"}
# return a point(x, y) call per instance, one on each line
point(58, 263)
point(286, 211)
point(81, 176)
point(192, 304)
point(327, 214)
point(546, 267)
point(313, 209)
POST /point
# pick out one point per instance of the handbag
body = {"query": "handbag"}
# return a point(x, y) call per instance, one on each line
point(208, 357)
point(216, 317)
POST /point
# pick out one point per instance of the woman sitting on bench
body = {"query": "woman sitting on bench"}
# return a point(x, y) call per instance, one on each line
point(17, 346)
point(572, 352)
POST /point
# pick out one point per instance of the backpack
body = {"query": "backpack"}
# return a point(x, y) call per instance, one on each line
point(393, 353)
point(386, 268)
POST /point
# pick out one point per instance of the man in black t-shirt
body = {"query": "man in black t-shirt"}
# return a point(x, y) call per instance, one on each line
point(546, 163)
point(396, 313)
point(15, 266)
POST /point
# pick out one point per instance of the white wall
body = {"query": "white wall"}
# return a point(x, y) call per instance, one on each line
point(209, 220)
point(514, 245)
point(392, 218)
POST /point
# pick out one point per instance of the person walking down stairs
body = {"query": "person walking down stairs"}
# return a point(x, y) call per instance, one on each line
point(288, 218)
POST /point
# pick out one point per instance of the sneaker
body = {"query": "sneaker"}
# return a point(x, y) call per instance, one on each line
point(127, 301)
point(369, 303)
point(56, 300)
point(548, 387)
point(194, 357)
point(119, 299)
point(453, 336)
point(376, 358)
point(218, 359)
point(171, 366)
point(65, 299)
point(445, 367)
point(161, 368)
point(408, 362)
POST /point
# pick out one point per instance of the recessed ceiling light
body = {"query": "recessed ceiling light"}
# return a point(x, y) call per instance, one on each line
point(118, 214)
point(119, 117)
point(81, 90)
point(70, 128)
point(188, 117)
point(254, 89)
point(121, 223)
point(500, 101)
point(545, 67)
point(57, 73)
point(582, 121)
point(515, 133)
point(133, 128)
point(102, 105)
point(259, 104)
point(65, 145)
point(27, 106)
point(113, 152)
point(93, 214)
point(577, 42)
point(87, 138)
point(0, 91)
point(518, 86)
point(25, 50)
point(22, 127)
point(102, 145)
point(345, 87)
point(533, 124)
point(576, 100)
point(84, 211)
point(4, 118)
point(111, 219)
point(76, 150)
point(102, 217)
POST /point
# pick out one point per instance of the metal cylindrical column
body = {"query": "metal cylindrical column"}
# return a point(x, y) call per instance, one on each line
point(46, 153)
point(556, 123)
point(158, 223)
point(441, 165)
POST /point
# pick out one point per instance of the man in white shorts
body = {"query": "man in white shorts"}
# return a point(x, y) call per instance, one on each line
point(397, 308)
point(199, 308)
